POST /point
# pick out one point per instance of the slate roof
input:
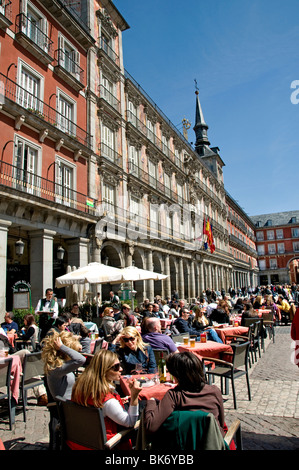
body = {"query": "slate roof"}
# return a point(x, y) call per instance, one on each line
point(277, 218)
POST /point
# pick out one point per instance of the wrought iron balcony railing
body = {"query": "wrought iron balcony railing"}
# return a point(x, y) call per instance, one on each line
point(69, 64)
point(25, 181)
point(102, 44)
point(19, 95)
point(29, 28)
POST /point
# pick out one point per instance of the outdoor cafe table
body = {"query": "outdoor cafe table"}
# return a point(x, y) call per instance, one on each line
point(225, 331)
point(165, 322)
point(155, 391)
point(208, 349)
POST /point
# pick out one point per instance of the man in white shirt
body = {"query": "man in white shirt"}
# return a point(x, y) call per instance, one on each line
point(47, 304)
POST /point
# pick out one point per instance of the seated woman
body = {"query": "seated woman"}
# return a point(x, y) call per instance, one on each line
point(257, 304)
point(202, 323)
point(239, 306)
point(30, 331)
point(191, 393)
point(60, 353)
point(110, 325)
point(95, 387)
point(132, 350)
point(248, 313)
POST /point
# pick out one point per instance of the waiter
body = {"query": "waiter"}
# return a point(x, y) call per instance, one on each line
point(47, 309)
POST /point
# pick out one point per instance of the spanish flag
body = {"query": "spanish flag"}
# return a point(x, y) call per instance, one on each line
point(208, 231)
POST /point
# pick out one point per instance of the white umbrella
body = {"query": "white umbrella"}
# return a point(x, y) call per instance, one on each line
point(132, 273)
point(93, 273)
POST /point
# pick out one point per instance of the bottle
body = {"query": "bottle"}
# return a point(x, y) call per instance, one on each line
point(162, 368)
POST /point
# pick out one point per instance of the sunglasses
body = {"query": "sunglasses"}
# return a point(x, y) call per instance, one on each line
point(116, 367)
point(126, 340)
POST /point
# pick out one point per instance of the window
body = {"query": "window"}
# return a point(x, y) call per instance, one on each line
point(66, 114)
point(34, 25)
point(180, 193)
point(133, 161)
point(260, 236)
point(132, 113)
point(280, 248)
point(26, 163)
point(296, 246)
point(261, 249)
point(108, 91)
point(271, 249)
point(262, 264)
point(154, 220)
point(109, 197)
point(295, 232)
point(279, 233)
point(167, 185)
point(107, 146)
point(68, 57)
point(273, 264)
point(150, 130)
point(31, 88)
point(152, 171)
point(64, 182)
point(270, 234)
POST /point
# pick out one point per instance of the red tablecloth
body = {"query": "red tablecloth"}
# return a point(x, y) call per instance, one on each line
point(165, 322)
point(16, 369)
point(156, 391)
point(231, 330)
point(208, 349)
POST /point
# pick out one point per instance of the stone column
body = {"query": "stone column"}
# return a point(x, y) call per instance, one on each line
point(78, 256)
point(41, 263)
point(150, 284)
point(181, 279)
point(4, 226)
point(167, 281)
point(201, 278)
point(192, 280)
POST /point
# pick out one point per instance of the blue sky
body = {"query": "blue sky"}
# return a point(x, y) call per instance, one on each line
point(244, 55)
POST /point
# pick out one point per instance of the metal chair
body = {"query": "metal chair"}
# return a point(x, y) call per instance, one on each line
point(269, 325)
point(85, 426)
point(5, 372)
point(231, 370)
point(33, 371)
point(98, 345)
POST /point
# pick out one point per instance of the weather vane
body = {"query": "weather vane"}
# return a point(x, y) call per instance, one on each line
point(196, 87)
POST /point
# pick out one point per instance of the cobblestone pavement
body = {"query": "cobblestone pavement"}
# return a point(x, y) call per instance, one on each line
point(269, 421)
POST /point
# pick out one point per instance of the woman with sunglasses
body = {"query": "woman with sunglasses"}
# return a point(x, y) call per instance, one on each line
point(95, 387)
point(132, 350)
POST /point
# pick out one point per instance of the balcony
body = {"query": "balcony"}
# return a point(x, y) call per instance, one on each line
point(106, 97)
point(132, 120)
point(68, 69)
point(21, 181)
point(20, 103)
point(5, 14)
point(110, 156)
point(105, 51)
point(30, 36)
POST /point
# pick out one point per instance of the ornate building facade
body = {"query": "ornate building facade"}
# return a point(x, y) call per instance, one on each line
point(93, 170)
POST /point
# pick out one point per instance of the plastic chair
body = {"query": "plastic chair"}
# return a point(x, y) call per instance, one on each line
point(5, 372)
point(85, 426)
point(33, 371)
point(231, 370)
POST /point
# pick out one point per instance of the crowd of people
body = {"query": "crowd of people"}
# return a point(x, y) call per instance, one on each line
point(131, 338)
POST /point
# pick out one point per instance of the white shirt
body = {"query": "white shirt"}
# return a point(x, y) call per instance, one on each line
point(113, 410)
point(46, 308)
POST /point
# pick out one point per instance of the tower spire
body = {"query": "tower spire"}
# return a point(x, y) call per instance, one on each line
point(200, 127)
